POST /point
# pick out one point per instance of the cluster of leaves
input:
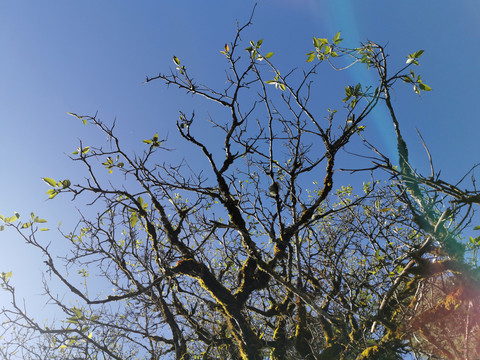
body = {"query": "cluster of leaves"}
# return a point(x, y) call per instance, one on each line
point(154, 141)
point(416, 80)
point(15, 218)
point(323, 49)
point(254, 49)
point(58, 186)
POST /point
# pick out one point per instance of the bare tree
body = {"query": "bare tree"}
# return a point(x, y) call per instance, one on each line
point(247, 259)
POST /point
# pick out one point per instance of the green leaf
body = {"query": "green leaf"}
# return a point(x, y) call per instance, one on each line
point(38, 220)
point(52, 193)
point(316, 43)
point(133, 219)
point(50, 181)
point(336, 38)
point(424, 87)
point(44, 229)
point(476, 227)
point(311, 56)
point(72, 320)
point(84, 329)
point(411, 60)
point(269, 55)
point(176, 60)
point(6, 276)
point(417, 54)
point(11, 219)
point(78, 117)
point(2, 227)
point(65, 183)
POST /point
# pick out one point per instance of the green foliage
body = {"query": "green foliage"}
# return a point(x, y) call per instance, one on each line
point(412, 58)
point(324, 49)
point(416, 80)
point(254, 51)
point(58, 186)
point(84, 120)
point(5, 276)
point(154, 142)
point(277, 82)
point(179, 68)
point(253, 48)
point(111, 163)
point(353, 94)
point(81, 151)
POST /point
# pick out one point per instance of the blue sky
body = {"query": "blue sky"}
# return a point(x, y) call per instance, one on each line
point(89, 56)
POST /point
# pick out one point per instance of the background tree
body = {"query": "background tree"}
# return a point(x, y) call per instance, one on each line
point(245, 258)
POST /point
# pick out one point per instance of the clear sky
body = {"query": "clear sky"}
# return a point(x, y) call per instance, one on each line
point(88, 56)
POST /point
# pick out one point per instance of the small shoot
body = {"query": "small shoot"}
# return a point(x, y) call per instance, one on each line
point(226, 51)
point(179, 67)
point(323, 49)
point(57, 186)
point(110, 163)
point(78, 117)
point(81, 151)
point(254, 48)
point(153, 142)
point(277, 82)
point(416, 80)
point(412, 58)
